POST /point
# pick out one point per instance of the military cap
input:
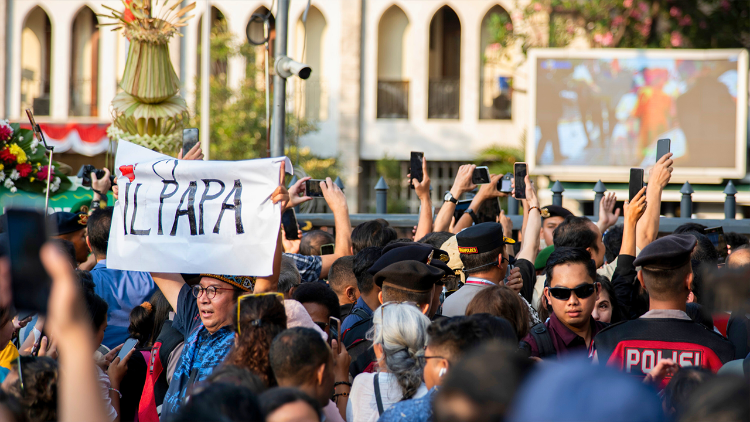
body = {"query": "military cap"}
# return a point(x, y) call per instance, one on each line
point(67, 222)
point(447, 271)
point(410, 275)
point(542, 257)
point(667, 253)
point(482, 238)
point(404, 252)
point(240, 281)
point(554, 211)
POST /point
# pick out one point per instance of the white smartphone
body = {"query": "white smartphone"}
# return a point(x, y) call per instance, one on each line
point(127, 347)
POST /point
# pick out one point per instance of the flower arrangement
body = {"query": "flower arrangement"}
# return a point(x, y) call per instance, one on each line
point(23, 164)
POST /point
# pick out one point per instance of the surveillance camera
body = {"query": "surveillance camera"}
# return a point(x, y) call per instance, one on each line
point(287, 67)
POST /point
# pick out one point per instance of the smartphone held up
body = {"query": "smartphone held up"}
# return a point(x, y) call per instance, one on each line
point(27, 232)
point(519, 172)
point(415, 167)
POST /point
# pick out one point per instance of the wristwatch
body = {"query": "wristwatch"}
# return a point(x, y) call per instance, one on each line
point(449, 197)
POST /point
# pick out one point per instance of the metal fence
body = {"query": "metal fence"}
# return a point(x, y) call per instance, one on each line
point(666, 224)
point(443, 98)
point(393, 99)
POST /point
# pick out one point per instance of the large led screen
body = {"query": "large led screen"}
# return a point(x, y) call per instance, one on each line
point(600, 112)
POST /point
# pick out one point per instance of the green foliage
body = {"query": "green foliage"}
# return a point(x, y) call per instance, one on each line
point(635, 23)
point(499, 159)
point(312, 165)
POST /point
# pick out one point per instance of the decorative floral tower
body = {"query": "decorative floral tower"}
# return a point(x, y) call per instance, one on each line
point(149, 112)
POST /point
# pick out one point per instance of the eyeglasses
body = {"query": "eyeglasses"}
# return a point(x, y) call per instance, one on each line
point(323, 325)
point(210, 291)
point(423, 359)
point(20, 374)
point(582, 292)
point(279, 296)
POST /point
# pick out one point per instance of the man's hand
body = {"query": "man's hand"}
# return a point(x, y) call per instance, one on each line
point(298, 193)
point(422, 189)
point(661, 173)
point(280, 194)
point(47, 349)
point(665, 367)
point(634, 209)
point(463, 184)
point(489, 190)
point(100, 185)
point(333, 195)
point(291, 246)
point(17, 325)
point(195, 153)
point(531, 197)
point(515, 281)
point(607, 213)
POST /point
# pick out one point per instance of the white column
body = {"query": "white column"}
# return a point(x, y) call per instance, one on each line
point(469, 100)
point(60, 67)
point(418, 58)
point(13, 49)
point(107, 71)
point(191, 59)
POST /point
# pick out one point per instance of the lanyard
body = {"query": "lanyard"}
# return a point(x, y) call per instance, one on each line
point(475, 280)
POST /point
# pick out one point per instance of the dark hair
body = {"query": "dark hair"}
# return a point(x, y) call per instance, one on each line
point(723, 398)
point(458, 335)
point(562, 255)
point(704, 256)
point(436, 239)
point(394, 294)
point(40, 380)
point(503, 302)
point(275, 398)
point(261, 319)
point(146, 321)
point(235, 375)
point(363, 260)
point(318, 293)
point(479, 262)
point(221, 402)
point(664, 284)
point(341, 274)
point(735, 240)
point(96, 308)
point(372, 233)
point(612, 242)
point(689, 227)
point(575, 232)
point(313, 240)
point(6, 315)
point(11, 406)
point(297, 353)
point(67, 248)
point(476, 376)
point(86, 279)
point(98, 226)
point(682, 384)
point(617, 313)
point(697, 313)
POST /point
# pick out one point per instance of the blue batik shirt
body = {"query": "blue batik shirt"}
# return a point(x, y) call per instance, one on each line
point(201, 354)
point(414, 410)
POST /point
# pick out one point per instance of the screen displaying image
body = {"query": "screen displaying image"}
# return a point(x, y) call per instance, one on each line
point(611, 110)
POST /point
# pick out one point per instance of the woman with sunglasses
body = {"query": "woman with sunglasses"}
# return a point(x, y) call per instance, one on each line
point(398, 336)
point(572, 291)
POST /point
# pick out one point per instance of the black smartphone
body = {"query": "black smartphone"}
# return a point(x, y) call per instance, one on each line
point(662, 148)
point(334, 330)
point(505, 184)
point(189, 139)
point(312, 188)
point(415, 168)
point(480, 176)
point(716, 235)
point(327, 249)
point(461, 207)
point(519, 172)
point(127, 347)
point(30, 283)
point(289, 222)
point(636, 183)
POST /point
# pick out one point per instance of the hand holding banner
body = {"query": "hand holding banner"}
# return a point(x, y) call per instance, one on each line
point(194, 216)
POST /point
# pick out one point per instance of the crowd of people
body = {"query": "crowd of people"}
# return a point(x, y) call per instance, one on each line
point(472, 320)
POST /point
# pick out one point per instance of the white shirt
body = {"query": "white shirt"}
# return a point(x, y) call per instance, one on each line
point(362, 406)
point(104, 386)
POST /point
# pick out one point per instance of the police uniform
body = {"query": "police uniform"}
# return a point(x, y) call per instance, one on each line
point(67, 222)
point(636, 346)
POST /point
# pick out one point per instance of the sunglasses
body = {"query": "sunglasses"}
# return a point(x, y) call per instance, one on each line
point(582, 292)
point(279, 296)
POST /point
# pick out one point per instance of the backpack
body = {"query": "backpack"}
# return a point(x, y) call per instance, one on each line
point(543, 341)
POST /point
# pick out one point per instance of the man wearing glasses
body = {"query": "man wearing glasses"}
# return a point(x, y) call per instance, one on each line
point(572, 290)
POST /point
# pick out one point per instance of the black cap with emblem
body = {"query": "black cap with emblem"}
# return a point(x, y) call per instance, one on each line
point(409, 275)
point(67, 222)
point(667, 253)
point(554, 211)
point(481, 238)
point(405, 251)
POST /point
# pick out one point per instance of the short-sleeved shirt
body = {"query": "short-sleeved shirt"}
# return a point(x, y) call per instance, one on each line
point(201, 353)
point(353, 318)
point(564, 340)
point(123, 291)
point(309, 267)
point(414, 410)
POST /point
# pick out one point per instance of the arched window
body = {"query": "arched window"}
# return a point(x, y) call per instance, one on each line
point(445, 65)
point(311, 50)
point(496, 70)
point(393, 86)
point(84, 64)
point(35, 62)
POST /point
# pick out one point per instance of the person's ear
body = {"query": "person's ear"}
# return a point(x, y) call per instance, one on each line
point(689, 280)
point(640, 280)
point(88, 242)
point(350, 295)
point(425, 308)
point(320, 374)
point(598, 290)
point(289, 294)
point(547, 295)
point(380, 296)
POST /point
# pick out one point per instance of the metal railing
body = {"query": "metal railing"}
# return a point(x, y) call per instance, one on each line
point(666, 224)
point(443, 99)
point(393, 99)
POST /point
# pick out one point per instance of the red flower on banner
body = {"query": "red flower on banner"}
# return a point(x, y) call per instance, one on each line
point(24, 169)
point(7, 156)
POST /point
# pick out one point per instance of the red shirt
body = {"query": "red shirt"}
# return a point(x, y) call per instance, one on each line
point(564, 340)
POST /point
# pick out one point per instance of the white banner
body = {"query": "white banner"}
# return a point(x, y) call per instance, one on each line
point(179, 216)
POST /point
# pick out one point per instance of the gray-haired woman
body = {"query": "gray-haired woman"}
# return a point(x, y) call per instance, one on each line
point(398, 333)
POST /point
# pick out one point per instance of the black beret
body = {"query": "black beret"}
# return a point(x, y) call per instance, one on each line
point(443, 266)
point(668, 253)
point(554, 211)
point(404, 252)
point(409, 275)
point(481, 238)
point(67, 222)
